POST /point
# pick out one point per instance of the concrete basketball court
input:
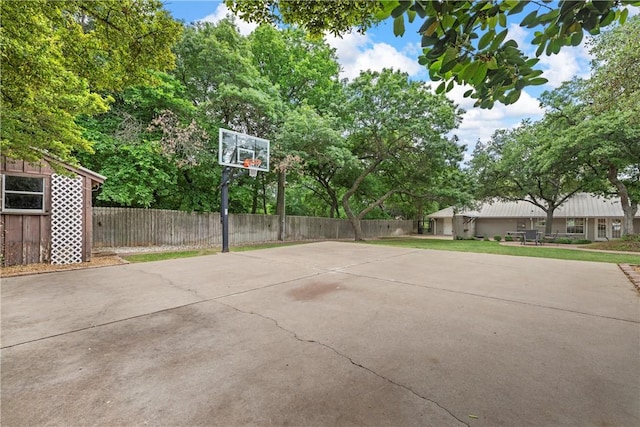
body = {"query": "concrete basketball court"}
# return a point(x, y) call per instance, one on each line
point(330, 334)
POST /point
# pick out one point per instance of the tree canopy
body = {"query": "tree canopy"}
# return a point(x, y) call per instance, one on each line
point(518, 165)
point(462, 42)
point(394, 127)
point(588, 140)
point(59, 60)
point(606, 112)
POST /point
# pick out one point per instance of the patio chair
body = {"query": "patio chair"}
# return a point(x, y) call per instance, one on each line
point(530, 236)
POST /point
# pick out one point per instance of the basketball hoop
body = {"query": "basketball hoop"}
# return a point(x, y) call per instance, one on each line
point(253, 165)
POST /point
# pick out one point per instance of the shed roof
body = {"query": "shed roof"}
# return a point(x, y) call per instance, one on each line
point(581, 205)
point(443, 213)
point(94, 176)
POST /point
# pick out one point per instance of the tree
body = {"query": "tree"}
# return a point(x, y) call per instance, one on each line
point(609, 145)
point(614, 89)
point(152, 151)
point(603, 113)
point(317, 142)
point(58, 59)
point(463, 42)
point(517, 165)
point(314, 17)
point(394, 126)
point(214, 62)
point(137, 172)
point(305, 70)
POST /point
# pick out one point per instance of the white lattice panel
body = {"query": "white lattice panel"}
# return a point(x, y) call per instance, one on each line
point(66, 219)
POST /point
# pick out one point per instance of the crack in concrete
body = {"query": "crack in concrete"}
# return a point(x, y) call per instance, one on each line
point(99, 325)
point(172, 283)
point(344, 356)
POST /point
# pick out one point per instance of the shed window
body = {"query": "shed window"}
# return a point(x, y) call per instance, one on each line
point(575, 225)
point(22, 193)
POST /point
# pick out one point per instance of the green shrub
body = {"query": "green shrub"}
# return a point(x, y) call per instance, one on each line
point(508, 238)
point(582, 241)
point(564, 240)
point(497, 238)
point(485, 238)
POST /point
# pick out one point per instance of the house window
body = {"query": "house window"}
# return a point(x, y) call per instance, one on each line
point(575, 225)
point(616, 228)
point(541, 222)
point(602, 228)
point(21, 193)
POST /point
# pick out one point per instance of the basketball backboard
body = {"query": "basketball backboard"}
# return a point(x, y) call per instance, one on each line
point(240, 150)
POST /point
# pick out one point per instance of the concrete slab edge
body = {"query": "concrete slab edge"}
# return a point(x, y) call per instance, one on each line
point(632, 274)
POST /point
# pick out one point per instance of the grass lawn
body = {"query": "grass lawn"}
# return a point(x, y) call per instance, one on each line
point(160, 256)
point(478, 246)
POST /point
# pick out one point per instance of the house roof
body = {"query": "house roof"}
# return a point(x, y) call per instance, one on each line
point(581, 205)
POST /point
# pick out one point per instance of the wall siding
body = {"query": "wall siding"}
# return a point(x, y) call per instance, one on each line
point(26, 238)
point(128, 227)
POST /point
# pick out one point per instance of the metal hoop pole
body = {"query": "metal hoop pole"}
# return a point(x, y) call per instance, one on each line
point(224, 208)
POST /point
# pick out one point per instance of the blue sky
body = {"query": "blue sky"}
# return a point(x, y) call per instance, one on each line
point(379, 48)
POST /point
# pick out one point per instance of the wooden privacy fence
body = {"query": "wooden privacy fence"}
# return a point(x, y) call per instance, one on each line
point(127, 227)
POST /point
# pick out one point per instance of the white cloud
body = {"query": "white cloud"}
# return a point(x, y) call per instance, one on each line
point(519, 35)
point(357, 52)
point(570, 62)
point(480, 124)
point(412, 49)
point(222, 12)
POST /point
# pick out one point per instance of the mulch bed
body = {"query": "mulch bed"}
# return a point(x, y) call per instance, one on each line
point(23, 270)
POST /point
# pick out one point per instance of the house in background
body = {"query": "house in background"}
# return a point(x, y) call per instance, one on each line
point(45, 217)
point(583, 216)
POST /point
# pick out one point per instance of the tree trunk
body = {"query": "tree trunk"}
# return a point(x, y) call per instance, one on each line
point(358, 236)
point(629, 206)
point(627, 223)
point(548, 224)
point(335, 205)
point(353, 219)
point(280, 207)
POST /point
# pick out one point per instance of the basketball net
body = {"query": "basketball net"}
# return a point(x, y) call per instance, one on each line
point(253, 166)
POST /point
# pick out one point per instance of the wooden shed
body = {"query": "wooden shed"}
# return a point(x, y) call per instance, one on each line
point(45, 216)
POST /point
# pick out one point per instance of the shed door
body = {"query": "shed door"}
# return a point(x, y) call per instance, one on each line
point(448, 226)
